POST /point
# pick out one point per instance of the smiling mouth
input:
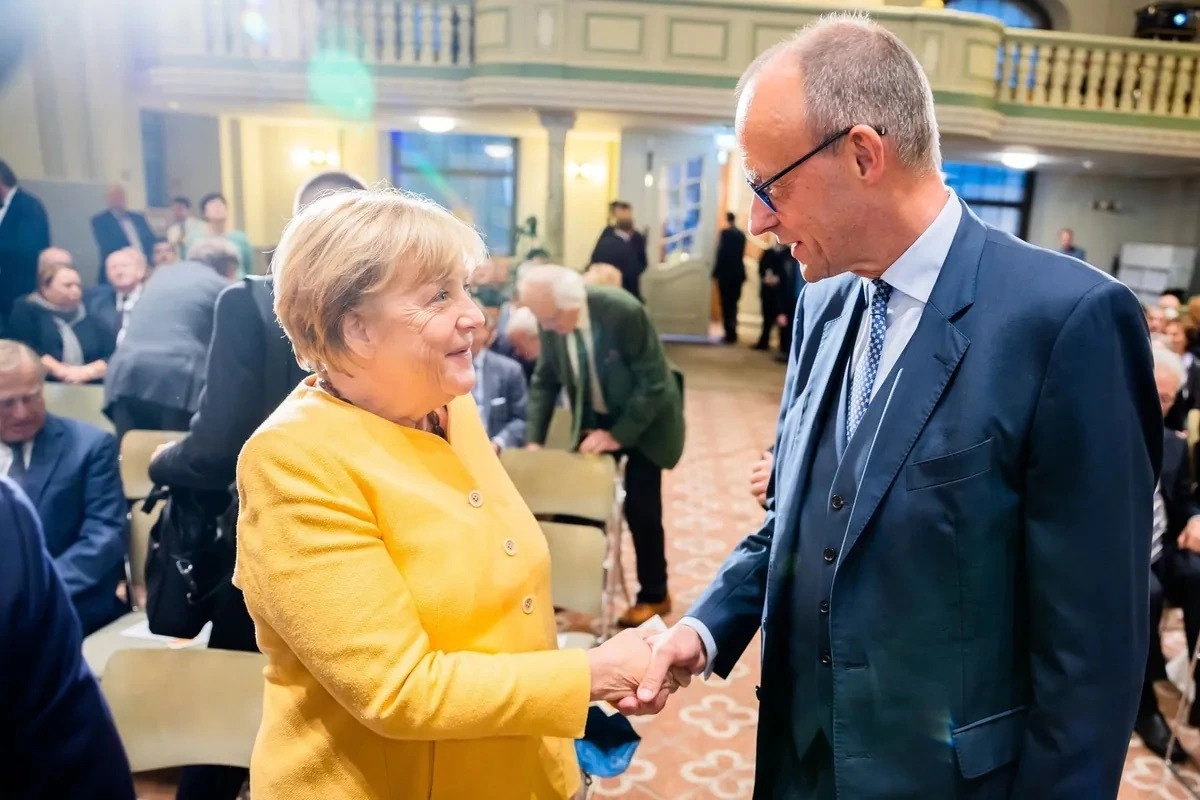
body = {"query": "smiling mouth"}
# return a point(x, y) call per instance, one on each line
point(466, 351)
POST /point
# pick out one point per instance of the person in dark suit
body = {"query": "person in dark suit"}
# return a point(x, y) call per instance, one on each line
point(111, 303)
point(621, 245)
point(74, 345)
point(600, 344)
point(117, 227)
point(250, 370)
point(58, 739)
point(500, 392)
point(951, 579)
point(69, 471)
point(156, 375)
point(729, 271)
point(1174, 559)
point(776, 271)
point(24, 233)
point(1067, 246)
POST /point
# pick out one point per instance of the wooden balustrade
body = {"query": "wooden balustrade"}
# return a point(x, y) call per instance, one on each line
point(1093, 73)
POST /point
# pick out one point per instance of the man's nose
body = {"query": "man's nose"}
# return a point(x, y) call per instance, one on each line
point(762, 219)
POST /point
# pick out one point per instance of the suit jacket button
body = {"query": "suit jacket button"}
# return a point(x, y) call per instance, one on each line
point(510, 547)
point(837, 502)
point(826, 658)
point(823, 607)
point(527, 605)
point(830, 555)
point(475, 498)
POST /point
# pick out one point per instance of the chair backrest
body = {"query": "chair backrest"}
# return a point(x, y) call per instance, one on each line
point(136, 449)
point(576, 566)
point(83, 403)
point(193, 706)
point(555, 482)
point(558, 435)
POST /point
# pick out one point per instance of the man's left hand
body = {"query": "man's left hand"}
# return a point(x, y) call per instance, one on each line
point(598, 442)
point(1190, 538)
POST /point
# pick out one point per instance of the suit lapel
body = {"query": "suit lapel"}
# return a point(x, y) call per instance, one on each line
point(830, 354)
point(922, 373)
point(47, 449)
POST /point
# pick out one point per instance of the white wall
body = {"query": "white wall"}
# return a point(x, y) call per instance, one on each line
point(1156, 210)
point(1107, 17)
point(192, 156)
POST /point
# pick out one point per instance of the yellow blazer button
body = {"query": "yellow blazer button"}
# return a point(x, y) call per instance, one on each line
point(527, 605)
point(475, 498)
point(510, 547)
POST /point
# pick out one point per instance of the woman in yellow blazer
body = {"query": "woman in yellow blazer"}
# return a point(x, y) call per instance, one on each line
point(399, 587)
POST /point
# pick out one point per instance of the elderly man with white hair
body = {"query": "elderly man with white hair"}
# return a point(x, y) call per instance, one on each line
point(1174, 556)
point(951, 579)
point(598, 344)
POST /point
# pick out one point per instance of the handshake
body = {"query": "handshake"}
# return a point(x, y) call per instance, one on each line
point(637, 670)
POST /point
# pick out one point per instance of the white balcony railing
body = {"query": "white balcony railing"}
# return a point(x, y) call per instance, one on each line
point(378, 32)
point(1099, 73)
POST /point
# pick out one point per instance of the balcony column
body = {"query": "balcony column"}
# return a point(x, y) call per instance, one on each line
point(557, 123)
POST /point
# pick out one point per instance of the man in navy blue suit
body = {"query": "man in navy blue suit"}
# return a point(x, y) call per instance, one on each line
point(58, 739)
point(69, 470)
point(117, 227)
point(951, 579)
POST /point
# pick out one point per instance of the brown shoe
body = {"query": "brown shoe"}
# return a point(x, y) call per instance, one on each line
point(641, 612)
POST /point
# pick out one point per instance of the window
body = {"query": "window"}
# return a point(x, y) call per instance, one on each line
point(999, 195)
point(1013, 13)
point(683, 207)
point(473, 176)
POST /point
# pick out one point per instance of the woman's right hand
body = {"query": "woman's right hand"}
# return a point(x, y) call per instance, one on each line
point(618, 666)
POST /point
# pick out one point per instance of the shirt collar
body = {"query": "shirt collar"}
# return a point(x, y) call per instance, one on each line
point(7, 199)
point(916, 271)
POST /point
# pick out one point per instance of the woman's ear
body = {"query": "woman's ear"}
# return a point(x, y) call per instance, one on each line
point(358, 337)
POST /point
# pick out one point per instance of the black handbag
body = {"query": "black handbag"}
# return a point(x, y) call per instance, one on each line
point(190, 560)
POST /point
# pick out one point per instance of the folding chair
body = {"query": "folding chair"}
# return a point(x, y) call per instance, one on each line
point(100, 647)
point(1186, 699)
point(178, 707)
point(84, 403)
point(577, 573)
point(136, 449)
point(560, 486)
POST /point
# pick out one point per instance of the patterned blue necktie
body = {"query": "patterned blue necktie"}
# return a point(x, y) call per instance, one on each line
point(868, 366)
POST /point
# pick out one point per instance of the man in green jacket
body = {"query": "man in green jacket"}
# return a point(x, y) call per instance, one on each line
point(599, 345)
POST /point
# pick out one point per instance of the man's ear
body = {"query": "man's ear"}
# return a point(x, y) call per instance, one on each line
point(867, 146)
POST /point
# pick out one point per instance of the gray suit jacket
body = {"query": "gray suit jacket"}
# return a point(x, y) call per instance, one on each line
point(163, 355)
point(503, 397)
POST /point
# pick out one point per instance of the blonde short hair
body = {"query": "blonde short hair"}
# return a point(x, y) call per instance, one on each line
point(346, 247)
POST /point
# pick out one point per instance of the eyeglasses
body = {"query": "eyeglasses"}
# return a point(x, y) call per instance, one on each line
point(762, 190)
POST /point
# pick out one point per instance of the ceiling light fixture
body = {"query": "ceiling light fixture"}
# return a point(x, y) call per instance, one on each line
point(498, 151)
point(1019, 160)
point(437, 124)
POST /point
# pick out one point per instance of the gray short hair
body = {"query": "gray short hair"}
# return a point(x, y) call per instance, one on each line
point(521, 320)
point(567, 286)
point(1164, 359)
point(13, 354)
point(217, 252)
point(856, 72)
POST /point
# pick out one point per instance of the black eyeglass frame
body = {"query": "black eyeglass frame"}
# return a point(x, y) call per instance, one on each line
point(760, 190)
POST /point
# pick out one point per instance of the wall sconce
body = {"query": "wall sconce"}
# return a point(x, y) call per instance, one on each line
point(593, 172)
point(302, 157)
point(1108, 206)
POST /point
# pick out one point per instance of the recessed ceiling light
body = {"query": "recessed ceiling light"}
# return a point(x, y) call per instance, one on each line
point(1088, 163)
point(1018, 160)
point(498, 151)
point(437, 124)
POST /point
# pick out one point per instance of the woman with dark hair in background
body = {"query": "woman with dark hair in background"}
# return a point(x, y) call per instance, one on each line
point(74, 346)
point(215, 211)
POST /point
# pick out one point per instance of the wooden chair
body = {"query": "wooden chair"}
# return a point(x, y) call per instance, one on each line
point(178, 707)
point(84, 403)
